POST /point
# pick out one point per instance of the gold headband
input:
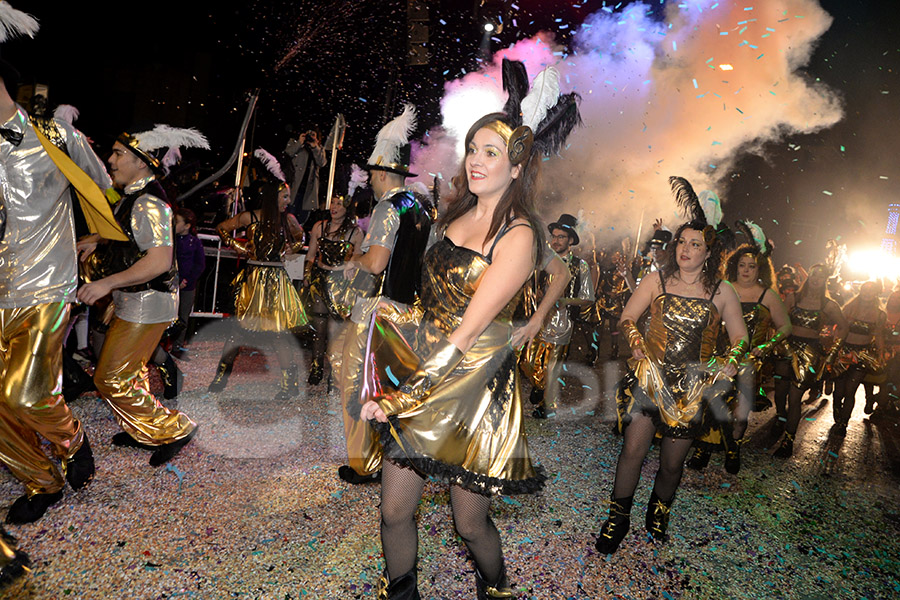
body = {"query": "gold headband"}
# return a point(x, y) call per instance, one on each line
point(518, 141)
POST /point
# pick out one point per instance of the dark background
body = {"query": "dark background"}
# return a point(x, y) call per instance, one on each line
point(193, 63)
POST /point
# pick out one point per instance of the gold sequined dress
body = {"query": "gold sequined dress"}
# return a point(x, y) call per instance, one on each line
point(331, 287)
point(673, 383)
point(806, 354)
point(468, 431)
point(265, 299)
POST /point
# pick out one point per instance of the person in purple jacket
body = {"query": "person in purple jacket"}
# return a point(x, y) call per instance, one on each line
point(191, 263)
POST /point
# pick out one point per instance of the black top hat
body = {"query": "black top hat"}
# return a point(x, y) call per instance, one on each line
point(660, 239)
point(567, 223)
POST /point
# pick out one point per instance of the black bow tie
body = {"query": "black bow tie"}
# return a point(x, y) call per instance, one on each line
point(12, 136)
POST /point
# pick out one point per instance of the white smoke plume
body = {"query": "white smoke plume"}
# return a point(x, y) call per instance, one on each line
point(658, 99)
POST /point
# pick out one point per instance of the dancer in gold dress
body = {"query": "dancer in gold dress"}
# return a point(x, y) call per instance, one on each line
point(458, 413)
point(671, 378)
point(266, 305)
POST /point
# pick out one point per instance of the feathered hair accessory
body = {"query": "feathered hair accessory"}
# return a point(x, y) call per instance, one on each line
point(706, 209)
point(358, 179)
point(14, 23)
point(392, 149)
point(148, 145)
point(270, 162)
point(67, 113)
point(538, 117)
point(755, 236)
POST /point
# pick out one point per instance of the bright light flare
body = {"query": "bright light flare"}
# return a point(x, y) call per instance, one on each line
point(489, 27)
point(726, 67)
point(463, 106)
point(875, 263)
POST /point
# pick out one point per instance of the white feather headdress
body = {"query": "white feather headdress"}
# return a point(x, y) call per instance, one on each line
point(758, 235)
point(358, 179)
point(544, 95)
point(67, 113)
point(166, 136)
point(14, 23)
point(271, 163)
point(392, 137)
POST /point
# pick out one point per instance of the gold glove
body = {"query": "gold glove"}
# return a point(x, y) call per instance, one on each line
point(230, 241)
point(767, 347)
point(633, 336)
point(737, 351)
point(431, 372)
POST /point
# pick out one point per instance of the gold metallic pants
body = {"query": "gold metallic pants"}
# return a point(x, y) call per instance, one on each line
point(363, 447)
point(121, 378)
point(31, 401)
point(541, 363)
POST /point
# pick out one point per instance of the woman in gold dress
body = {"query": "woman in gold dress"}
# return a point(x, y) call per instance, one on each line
point(863, 351)
point(265, 301)
point(458, 413)
point(672, 377)
point(331, 243)
point(750, 272)
point(802, 360)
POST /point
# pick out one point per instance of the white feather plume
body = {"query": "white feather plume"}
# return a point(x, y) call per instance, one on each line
point(358, 179)
point(166, 136)
point(543, 95)
point(171, 158)
point(392, 136)
point(712, 207)
point(271, 163)
point(14, 23)
point(67, 113)
point(758, 235)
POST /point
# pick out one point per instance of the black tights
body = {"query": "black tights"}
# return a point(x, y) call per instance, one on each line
point(401, 492)
point(844, 397)
point(637, 439)
point(787, 395)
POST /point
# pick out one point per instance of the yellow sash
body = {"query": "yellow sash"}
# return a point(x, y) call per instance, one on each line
point(94, 205)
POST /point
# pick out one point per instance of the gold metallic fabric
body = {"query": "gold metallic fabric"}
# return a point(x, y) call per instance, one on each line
point(859, 356)
point(468, 430)
point(363, 448)
point(540, 362)
point(121, 379)
point(265, 299)
point(758, 320)
point(633, 335)
point(32, 406)
point(675, 379)
point(807, 359)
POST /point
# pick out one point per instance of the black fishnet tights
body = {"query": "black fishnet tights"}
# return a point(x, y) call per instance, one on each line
point(844, 396)
point(787, 395)
point(401, 492)
point(672, 452)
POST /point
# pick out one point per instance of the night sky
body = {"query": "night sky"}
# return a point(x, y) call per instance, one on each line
point(192, 63)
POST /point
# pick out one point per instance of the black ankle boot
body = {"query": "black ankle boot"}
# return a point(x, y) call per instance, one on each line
point(404, 587)
point(733, 458)
point(290, 387)
point(699, 459)
point(316, 371)
point(80, 468)
point(487, 591)
point(221, 378)
point(172, 378)
point(616, 527)
point(658, 516)
point(786, 449)
point(14, 561)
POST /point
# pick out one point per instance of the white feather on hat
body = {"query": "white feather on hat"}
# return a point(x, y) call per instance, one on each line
point(543, 95)
point(358, 179)
point(271, 163)
point(171, 158)
point(392, 136)
point(67, 113)
point(166, 136)
point(14, 23)
point(758, 235)
point(712, 207)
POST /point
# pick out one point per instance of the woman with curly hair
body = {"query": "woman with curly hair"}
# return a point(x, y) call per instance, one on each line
point(671, 375)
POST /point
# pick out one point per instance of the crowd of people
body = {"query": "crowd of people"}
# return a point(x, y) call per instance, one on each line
point(428, 315)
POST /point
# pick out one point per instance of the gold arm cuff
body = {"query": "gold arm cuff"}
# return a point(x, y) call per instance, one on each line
point(633, 336)
point(767, 347)
point(833, 351)
point(442, 360)
point(737, 350)
point(230, 241)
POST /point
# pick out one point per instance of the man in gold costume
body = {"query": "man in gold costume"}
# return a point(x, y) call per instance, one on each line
point(38, 275)
point(392, 250)
point(541, 361)
point(142, 277)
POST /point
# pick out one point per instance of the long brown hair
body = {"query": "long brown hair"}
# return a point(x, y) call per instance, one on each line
point(518, 199)
point(804, 289)
point(269, 214)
